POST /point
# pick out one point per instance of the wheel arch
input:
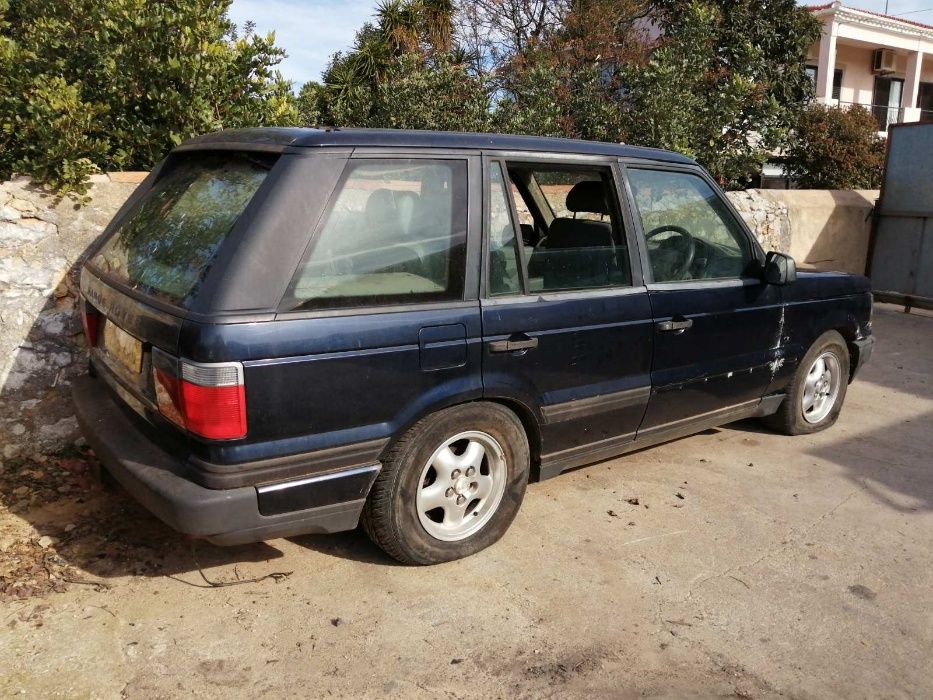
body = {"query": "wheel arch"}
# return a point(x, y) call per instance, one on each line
point(526, 415)
point(849, 333)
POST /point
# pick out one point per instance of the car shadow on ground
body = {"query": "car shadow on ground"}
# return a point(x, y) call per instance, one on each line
point(353, 545)
point(58, 526)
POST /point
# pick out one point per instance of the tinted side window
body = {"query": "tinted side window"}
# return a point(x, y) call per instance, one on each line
point(395, 233)
point(690, 233)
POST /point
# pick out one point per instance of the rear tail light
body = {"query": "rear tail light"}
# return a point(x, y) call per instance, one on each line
point(90, 320)
point(206, 399)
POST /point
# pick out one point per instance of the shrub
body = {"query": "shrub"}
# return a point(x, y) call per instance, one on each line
point(837, 149)
point(87, 85)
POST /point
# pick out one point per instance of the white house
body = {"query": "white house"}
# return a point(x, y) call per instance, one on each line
point(882, 62)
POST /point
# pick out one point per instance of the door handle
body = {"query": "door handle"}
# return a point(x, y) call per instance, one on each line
point(675, 326)
point(520, 342)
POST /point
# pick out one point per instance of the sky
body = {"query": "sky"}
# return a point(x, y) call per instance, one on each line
point(312, 30)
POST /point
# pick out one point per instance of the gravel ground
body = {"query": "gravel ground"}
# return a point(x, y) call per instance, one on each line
point(735, 562)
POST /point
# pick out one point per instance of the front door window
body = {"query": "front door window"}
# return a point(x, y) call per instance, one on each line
point(690, 233)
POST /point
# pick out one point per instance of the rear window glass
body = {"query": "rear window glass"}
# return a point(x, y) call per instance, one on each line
point(166, 244)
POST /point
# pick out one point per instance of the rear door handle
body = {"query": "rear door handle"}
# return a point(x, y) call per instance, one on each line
point(674, 326)
point(519, 342)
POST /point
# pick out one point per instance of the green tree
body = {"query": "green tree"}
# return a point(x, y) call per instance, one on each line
point(837, 149)
point(404, 70)
point(723, 81)
point(109, 84)
point(570, 82)
point(726, 83)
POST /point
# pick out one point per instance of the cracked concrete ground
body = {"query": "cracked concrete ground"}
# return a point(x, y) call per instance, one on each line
point(796, 567)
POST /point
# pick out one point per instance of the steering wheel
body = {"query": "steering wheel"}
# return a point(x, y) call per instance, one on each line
point(689, 247)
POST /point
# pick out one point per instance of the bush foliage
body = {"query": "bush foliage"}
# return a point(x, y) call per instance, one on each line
point(87, 85)
point(107, 84)
point(837, 149)
point(723, 81)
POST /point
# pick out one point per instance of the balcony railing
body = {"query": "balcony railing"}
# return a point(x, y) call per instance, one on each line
point(885, 116)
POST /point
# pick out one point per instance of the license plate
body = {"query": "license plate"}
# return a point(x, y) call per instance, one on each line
point(123, 347)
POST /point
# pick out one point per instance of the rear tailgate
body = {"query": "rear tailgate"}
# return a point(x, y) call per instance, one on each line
point(124, 332)
point(139, 284)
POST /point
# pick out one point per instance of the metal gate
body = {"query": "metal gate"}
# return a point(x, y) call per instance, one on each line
point(901, 249)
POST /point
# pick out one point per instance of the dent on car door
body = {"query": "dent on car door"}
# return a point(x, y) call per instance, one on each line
point(717, 323)
point(377, 326)
point(566, 326)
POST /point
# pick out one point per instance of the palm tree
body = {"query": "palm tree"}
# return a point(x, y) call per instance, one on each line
point(436, 23)
point(398, 24)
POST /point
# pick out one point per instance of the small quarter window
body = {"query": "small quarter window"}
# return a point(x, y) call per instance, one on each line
point(395, 233)
point(504, 277)
point(690, 233)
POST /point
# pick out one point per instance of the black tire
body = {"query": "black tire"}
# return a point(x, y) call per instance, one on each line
point(390, 516)
point(789, 418)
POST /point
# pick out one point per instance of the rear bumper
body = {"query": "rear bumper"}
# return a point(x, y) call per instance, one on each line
point(863, 350)
point(158, 480)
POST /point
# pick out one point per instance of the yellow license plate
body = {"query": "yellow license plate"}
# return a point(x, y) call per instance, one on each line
point(123, 347)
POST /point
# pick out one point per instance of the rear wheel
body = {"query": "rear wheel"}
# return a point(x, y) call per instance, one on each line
point(450, 486)
point(818, 389)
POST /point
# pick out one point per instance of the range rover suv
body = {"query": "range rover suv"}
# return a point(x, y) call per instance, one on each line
point(300, 330)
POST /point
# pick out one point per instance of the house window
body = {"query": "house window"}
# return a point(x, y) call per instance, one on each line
point(886, 103)
point(813, 72)
point(925, 102)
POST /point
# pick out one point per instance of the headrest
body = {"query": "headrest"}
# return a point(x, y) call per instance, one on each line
point(381, 202)
point(588, 196)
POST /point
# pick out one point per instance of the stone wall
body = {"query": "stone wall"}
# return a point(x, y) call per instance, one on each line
point(767, 218)
point(43, 240)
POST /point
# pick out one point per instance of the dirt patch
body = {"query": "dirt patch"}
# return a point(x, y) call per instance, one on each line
point(563, 671)
point(60, 528)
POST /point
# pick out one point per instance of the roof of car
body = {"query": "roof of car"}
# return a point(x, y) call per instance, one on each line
point(391, 138)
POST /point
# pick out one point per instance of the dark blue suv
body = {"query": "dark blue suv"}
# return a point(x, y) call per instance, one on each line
point(298, 330)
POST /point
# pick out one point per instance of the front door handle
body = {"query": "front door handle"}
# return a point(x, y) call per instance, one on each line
point(518, 342)
point(672, 326)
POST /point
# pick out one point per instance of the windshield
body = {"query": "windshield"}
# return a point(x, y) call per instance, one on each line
point(166, 244)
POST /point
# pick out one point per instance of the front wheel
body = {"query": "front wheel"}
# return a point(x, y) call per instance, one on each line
point(450, 486)
point(817, 390)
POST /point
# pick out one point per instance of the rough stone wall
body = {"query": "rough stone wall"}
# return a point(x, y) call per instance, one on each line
point(769, 220)
point(820, 229)
point(42, 238)
point(42, 243)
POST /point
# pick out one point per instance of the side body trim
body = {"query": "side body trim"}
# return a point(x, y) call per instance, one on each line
point(308, 465)
point(315, 479)
point(555, 463)
point(580, 408)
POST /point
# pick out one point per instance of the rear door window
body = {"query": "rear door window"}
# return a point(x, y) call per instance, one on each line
point(583, 244)
point(166, 244)
point(395, 233)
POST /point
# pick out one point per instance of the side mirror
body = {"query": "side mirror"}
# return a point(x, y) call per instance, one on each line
point(780, 269)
